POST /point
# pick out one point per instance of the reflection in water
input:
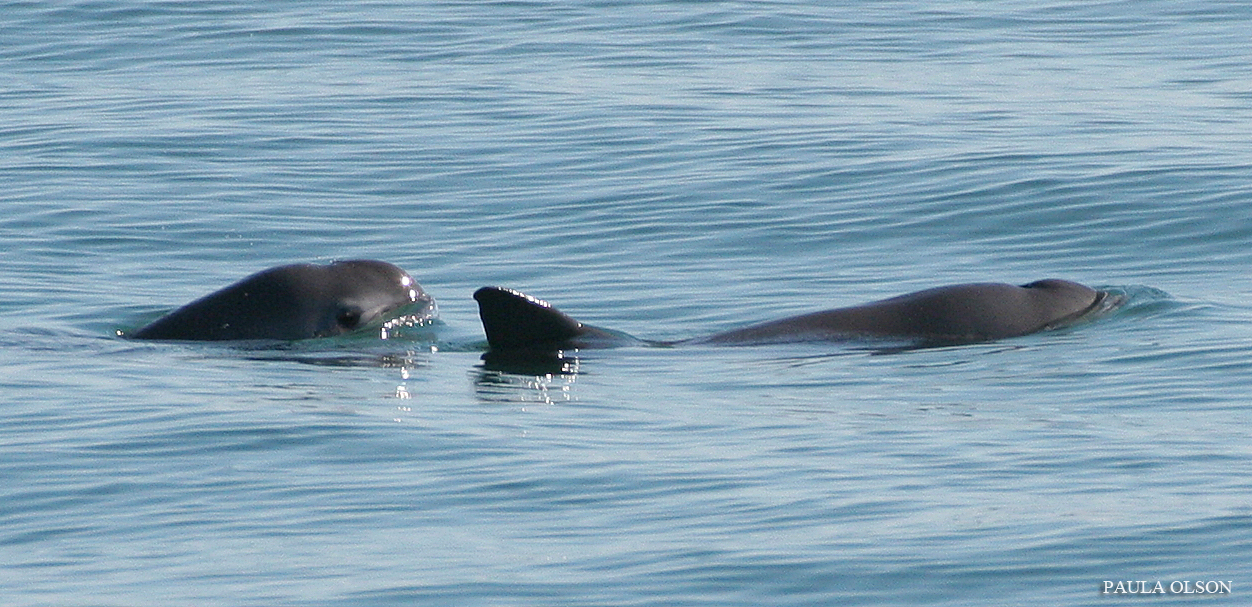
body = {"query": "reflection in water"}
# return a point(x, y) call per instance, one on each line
point(385, 360)
point(412, 327)
point(530, 362)
point(526, 377)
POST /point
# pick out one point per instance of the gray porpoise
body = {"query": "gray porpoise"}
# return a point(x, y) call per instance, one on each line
point(298, 301)
point(955, 314)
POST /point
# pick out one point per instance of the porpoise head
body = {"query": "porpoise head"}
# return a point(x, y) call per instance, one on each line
point(1063, 300)
point(360, 292)
point(298, 301)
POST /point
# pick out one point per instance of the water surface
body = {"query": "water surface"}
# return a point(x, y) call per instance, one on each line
point(670, 169)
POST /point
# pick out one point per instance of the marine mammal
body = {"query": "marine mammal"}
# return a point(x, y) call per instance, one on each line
point(955, 314)
point(298, 301)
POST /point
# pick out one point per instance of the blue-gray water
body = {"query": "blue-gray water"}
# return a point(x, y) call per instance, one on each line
point(669, 169)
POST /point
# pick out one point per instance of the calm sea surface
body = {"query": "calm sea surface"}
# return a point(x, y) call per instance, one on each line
point(669, 169)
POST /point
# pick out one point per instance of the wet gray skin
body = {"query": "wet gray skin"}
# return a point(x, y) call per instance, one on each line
point(966, 313)
point(292, 302)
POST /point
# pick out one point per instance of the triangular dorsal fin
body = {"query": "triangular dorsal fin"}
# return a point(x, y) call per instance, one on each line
point(514, 320)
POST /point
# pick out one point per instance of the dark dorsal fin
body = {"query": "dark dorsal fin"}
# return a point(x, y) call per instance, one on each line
point(515, 320)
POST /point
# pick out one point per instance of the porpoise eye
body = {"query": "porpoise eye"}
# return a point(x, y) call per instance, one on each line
point(349, 318)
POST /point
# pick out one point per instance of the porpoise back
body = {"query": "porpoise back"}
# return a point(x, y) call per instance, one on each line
point(952, 314)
